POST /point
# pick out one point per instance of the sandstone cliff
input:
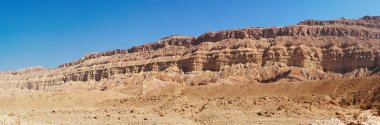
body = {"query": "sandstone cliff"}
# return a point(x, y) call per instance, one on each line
point(310, 50)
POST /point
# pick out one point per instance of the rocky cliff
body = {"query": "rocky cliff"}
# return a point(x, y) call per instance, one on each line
point(310, 50)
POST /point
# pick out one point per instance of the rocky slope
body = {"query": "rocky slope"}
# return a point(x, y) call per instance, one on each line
point(310, 50)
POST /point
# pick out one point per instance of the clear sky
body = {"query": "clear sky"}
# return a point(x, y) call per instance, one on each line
point(51, 32)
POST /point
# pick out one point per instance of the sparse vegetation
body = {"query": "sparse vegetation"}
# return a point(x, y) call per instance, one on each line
point(365, 106)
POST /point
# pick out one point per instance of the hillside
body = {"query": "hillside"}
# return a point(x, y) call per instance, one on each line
point(316, 71)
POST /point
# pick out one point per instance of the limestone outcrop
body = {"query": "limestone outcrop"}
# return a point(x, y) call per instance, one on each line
point(310, 50)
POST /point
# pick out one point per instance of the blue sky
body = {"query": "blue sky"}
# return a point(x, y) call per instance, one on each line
point(51, 32)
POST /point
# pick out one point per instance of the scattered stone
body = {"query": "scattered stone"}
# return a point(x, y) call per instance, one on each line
point(333, 121)
point(161, 114)
point(133, 111)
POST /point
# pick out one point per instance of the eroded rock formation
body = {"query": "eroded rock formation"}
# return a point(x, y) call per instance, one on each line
point(310, 50)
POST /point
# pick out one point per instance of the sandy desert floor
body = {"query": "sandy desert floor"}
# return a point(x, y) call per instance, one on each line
point(276, 103)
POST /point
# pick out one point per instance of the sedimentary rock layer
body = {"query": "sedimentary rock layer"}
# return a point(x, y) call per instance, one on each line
point(310, 50)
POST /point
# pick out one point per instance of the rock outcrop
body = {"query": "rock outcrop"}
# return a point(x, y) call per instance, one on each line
point(310, 50)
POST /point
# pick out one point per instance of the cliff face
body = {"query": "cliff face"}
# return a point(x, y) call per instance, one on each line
point(310, 50)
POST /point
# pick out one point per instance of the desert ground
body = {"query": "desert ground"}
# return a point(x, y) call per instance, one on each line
point(280, 103)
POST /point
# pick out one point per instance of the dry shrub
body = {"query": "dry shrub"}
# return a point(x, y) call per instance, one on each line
point(366, 106)
point(344, 102)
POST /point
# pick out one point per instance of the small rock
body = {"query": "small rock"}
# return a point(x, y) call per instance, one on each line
point(161, 114)
point(133, 111)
